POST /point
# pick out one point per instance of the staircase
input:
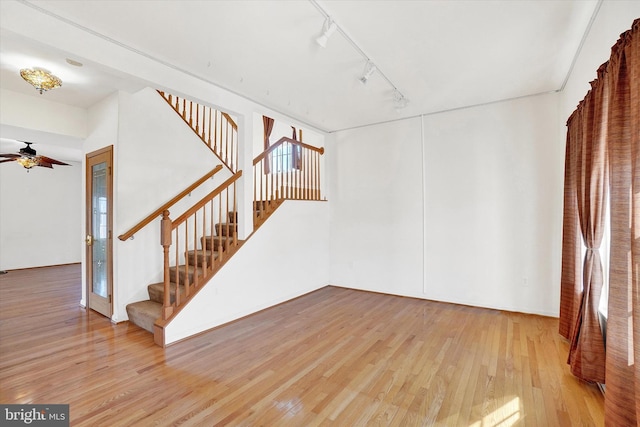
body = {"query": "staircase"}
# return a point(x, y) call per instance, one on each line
point(201, 240)
point(212, 248)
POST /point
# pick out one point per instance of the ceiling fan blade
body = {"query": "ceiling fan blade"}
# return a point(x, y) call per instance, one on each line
point(45, 164)
point(11, 156)
point(50, 161)
point(8, 160)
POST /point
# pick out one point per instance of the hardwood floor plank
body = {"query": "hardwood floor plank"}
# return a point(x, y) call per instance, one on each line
point(334, 357)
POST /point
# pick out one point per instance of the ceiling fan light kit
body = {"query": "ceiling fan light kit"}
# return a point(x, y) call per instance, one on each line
point(40, 79)
point(27, 162)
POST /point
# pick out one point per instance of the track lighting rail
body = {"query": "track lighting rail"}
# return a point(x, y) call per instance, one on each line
point(332, 22)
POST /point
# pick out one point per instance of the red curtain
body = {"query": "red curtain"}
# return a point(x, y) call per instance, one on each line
point(590, 169)
point(296, 161)
point(622, 396)
point(603, 154)
point(268, 127)
point(571, 282)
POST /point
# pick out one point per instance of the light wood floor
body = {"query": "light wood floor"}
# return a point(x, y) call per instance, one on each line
point(333, 357)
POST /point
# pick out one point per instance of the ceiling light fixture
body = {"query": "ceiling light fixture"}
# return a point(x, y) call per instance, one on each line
point(369, 69)
point(41, 79)
point(322, 40)
point(27, 162)
point(328, 29)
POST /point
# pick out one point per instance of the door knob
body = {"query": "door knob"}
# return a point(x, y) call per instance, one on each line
point(89, 240)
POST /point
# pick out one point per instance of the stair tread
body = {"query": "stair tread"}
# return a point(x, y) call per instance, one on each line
point(220, 237)
point(182, 267)
point(161, 285)
point(200, 252)
point(144, 313)
point(147, 305)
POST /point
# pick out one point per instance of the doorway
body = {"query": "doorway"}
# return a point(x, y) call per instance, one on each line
point(99, 220)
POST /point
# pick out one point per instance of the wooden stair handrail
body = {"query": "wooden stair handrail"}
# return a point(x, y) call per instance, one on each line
point(167, 205)
point(176, 222)
point(281, 141)
point(230, 119)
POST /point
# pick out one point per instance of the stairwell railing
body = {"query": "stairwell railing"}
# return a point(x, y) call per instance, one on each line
point(287, 170)
point(215, 128)
point(213, 222)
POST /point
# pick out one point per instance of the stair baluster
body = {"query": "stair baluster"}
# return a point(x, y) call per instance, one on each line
point(222, 139)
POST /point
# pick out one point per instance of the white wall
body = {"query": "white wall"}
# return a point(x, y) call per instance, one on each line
point(39, 215)
point(466, 211)
point(285, 258)
point(493, 205)
point(36, 113)
point(376, 208)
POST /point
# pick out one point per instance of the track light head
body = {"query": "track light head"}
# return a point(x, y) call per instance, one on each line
point(369, 69)
point(399, 100)
point(328, 29)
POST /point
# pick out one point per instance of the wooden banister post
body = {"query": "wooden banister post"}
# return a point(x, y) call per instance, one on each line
point(165, 241)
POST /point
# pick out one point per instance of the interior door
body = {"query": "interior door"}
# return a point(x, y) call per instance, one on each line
point(99, 215)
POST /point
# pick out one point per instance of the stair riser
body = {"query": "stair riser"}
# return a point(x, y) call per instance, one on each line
point(144, 314)
point(198, 259)
point(157, 294)
point(183, 276)
point(214, 243)
point(228, 230)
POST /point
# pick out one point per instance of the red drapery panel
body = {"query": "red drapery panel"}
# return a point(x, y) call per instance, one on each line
point(268, 127)
point(296, 161)
point(571, 285)
point(605, 129)
point(622, 397)
point(586, 355)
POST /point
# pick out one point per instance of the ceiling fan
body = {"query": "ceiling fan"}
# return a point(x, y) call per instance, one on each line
point(27, 158)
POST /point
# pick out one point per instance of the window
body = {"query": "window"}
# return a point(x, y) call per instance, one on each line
point(285, 158)
point(282, 158)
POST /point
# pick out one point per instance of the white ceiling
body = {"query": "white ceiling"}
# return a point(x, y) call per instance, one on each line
point(440, 55)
